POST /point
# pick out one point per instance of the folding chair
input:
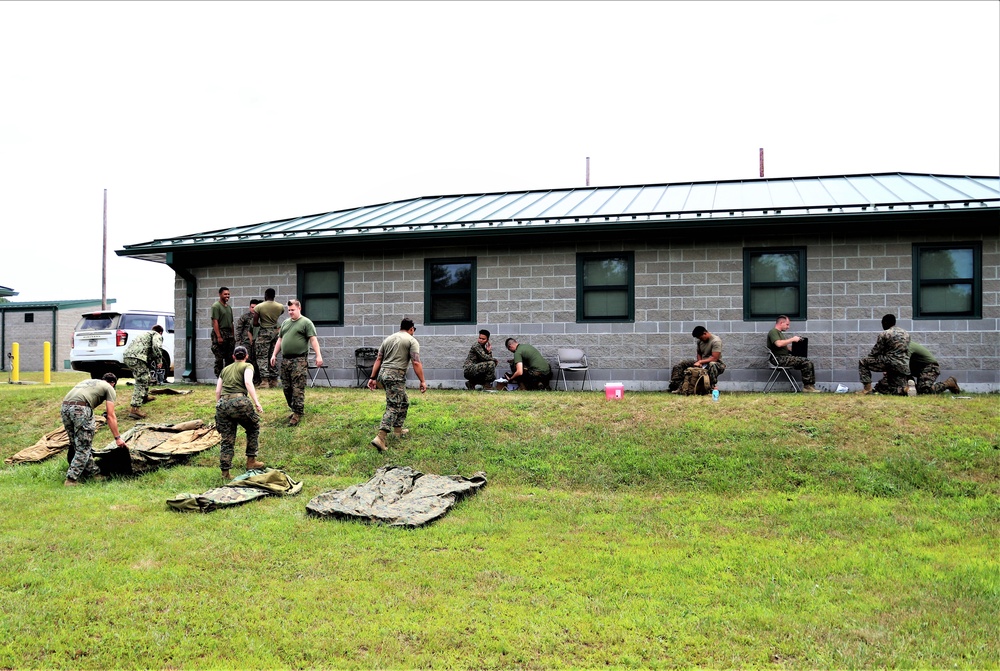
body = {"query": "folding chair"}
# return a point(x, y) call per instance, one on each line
point(364, 361)
point(776, 371)
point(571, 360)
point(315, 370)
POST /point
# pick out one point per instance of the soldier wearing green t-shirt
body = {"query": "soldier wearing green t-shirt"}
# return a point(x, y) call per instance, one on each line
point(223, 333)
point(395, 355)
point(780, 347)
point(295, 336)
point(78, 419)
point(529, 369)
point(235, 404)
point(268, 313)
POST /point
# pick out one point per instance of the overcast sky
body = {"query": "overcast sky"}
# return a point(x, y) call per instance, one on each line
point(199, 115)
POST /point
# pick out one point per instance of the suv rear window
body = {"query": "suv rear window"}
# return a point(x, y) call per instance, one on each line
point(137, 322)
point(96, 322)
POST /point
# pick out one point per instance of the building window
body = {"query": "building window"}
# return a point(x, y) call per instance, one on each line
point(948, 281)
point(321, 292)
point(29, 317)
point(605, 287)
point(450, 291)
point(774, 283)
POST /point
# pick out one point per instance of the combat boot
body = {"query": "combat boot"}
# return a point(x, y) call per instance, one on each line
point(867, 390)
point(149, 399)
point(226, 476)
point(400, 432)
point(952, 385)
point(294, 419)
point(253, 464)
point(810, 389)
point(135, 412)
point(378, 442)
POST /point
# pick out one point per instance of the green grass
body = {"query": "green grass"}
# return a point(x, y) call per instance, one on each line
point(788, 531)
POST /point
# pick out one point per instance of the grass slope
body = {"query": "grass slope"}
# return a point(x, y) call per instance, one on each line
point(788, 531)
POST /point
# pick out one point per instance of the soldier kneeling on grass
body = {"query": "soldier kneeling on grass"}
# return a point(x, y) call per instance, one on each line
point(234, 392)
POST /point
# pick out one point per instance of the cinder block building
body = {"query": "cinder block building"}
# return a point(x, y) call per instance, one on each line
point(625, 273)
point(32, 324)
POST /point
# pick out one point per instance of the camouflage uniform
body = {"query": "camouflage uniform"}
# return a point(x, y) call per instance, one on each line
point(266, 338)
point(397, 403)
point(924, 369)
point(223, 351)
point(78, 421)
point(294, 373)
point(890, 355)
point(244, 336)
point(142, 357)
point(479, 366)
point(231, 411)
point(677, 373)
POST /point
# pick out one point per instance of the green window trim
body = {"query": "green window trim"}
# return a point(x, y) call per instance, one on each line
point(320, 289)
point(774, 283)
point(605, 287)
point(450, 290)
point(948, 280)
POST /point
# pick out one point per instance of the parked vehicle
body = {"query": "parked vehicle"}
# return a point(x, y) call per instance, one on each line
point(100, 339)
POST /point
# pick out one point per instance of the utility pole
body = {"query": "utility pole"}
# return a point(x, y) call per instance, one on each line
point(761, 161)
point(104, 258)
point(588, 171)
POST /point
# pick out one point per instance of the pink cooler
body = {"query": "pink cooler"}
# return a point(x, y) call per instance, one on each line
point(614, 390)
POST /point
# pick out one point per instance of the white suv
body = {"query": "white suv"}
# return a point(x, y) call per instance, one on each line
point(101, 338)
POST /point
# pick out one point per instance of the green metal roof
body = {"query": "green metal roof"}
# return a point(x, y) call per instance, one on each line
point(689, 203)
point(7, 291)
point(59, 305)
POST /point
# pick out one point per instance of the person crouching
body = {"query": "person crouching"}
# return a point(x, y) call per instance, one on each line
point(233, 407)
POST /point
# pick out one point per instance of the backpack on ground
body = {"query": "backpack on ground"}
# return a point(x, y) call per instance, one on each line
point(696, 381)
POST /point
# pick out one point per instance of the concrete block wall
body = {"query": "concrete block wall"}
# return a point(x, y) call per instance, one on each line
point(530, 293)
point(31, 337)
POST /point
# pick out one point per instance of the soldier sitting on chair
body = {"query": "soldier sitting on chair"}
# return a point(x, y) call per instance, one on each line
point(781, 348)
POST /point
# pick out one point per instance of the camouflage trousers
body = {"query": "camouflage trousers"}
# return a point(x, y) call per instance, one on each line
point(925, 381)
point(229, 414)
point(79, 423)
point(895, 378)
point(143, 377)
point(397, 403)
point(223, 352)
point(294, 373)
point(266, 338)
point(677, 373)
point(801, 364)
point(484, 373)
point(252, 359)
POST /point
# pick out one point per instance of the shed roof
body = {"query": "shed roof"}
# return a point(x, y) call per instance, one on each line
point(7, 291)
point(58, 305)
point(600, 206)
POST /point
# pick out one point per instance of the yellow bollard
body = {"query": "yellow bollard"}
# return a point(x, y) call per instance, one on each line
point(15, 366)
point(46, 366)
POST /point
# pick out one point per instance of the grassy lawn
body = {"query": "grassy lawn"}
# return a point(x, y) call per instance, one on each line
point(779, 531)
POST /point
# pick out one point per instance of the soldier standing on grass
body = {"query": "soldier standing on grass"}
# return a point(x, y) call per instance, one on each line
point(267, 316)
point(233, 394)
point(297, 333)
point(223, 335)
point(395, 355)
point(246, 325)
point(78, 419)
point(142, 356)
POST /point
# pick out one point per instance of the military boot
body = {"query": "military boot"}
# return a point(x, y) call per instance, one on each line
point(294, 419)
point(378, 442)
point(148, 399)
point(866, 390)
point(400, 432)
point(253, 464)
point(952, 385)
point(135, 412)
point(810, 389)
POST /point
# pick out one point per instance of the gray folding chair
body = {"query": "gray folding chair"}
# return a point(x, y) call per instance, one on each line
point(776, 372)
point(571, 360)
point(315, 370)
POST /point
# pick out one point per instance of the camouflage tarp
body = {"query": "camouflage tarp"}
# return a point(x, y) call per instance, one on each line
point(49, 445)
point(152, 446)
point(398, 496)
point(169, 391)
point(251, 485)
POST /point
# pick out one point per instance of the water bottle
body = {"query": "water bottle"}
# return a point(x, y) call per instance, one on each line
point(715, 395)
